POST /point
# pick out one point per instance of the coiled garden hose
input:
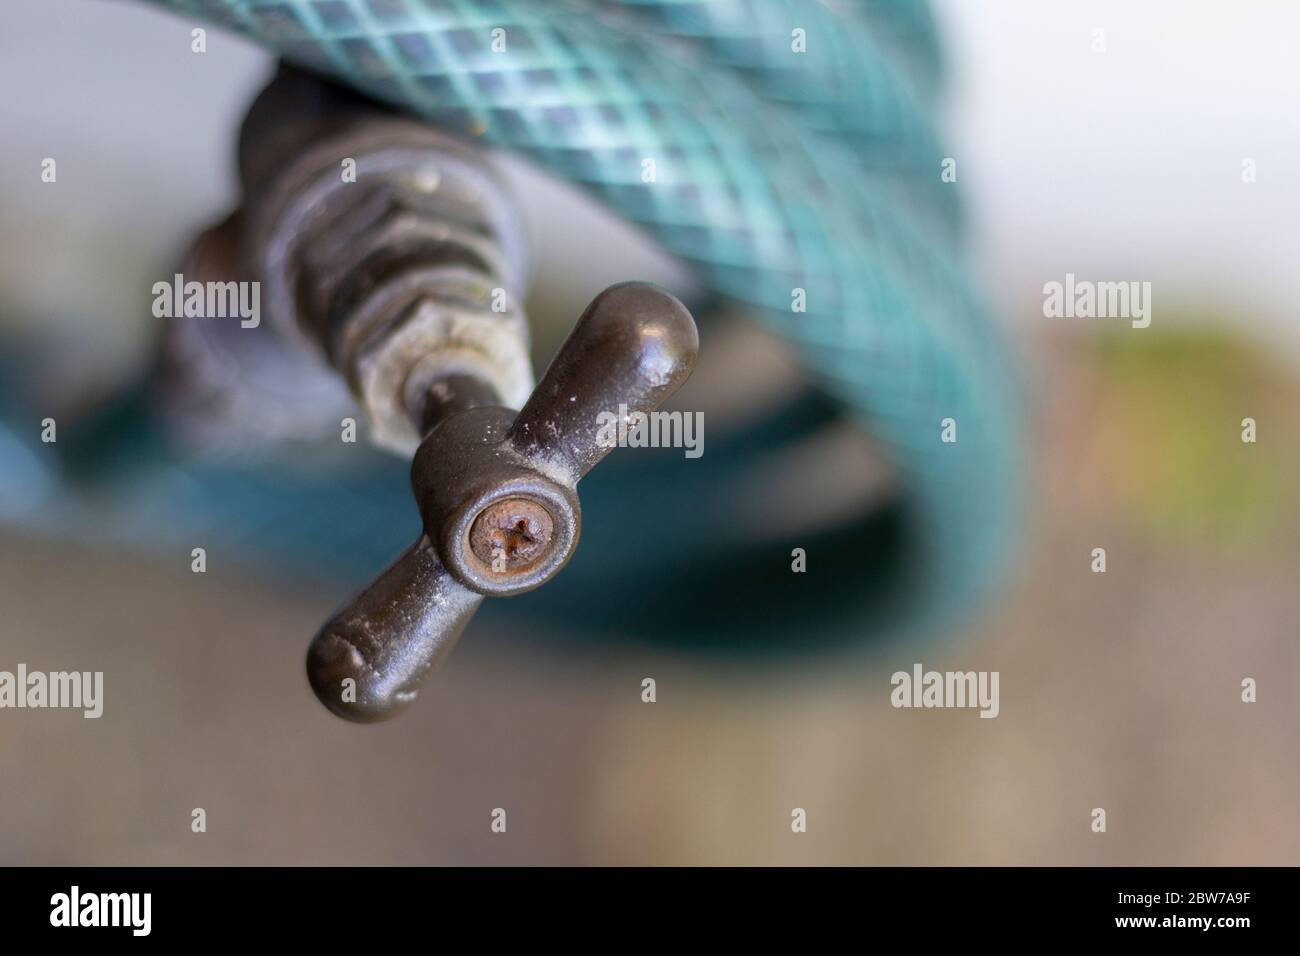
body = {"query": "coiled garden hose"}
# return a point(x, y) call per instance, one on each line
point(796, 170)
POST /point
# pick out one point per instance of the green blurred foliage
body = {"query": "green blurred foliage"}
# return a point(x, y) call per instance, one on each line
point(1169, 430)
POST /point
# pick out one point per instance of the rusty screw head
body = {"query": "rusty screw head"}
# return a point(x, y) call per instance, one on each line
point(511, 535)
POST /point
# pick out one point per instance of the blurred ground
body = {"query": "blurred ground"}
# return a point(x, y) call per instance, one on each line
point(1119, 691)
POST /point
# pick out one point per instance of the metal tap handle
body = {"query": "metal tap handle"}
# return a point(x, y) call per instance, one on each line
point(631, 349)
point(497, 496)
point(368, 660)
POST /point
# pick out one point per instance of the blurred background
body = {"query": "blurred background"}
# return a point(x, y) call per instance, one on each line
point(1119, 690)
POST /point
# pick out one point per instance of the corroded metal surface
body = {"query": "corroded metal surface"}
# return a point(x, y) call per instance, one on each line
point(497, 494)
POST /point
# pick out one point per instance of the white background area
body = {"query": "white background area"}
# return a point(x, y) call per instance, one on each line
point(1127, 164)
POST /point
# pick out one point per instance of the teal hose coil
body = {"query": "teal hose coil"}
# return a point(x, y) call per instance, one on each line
point(775, 170)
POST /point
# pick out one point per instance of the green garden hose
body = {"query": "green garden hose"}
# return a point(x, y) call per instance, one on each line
point(786, 152)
